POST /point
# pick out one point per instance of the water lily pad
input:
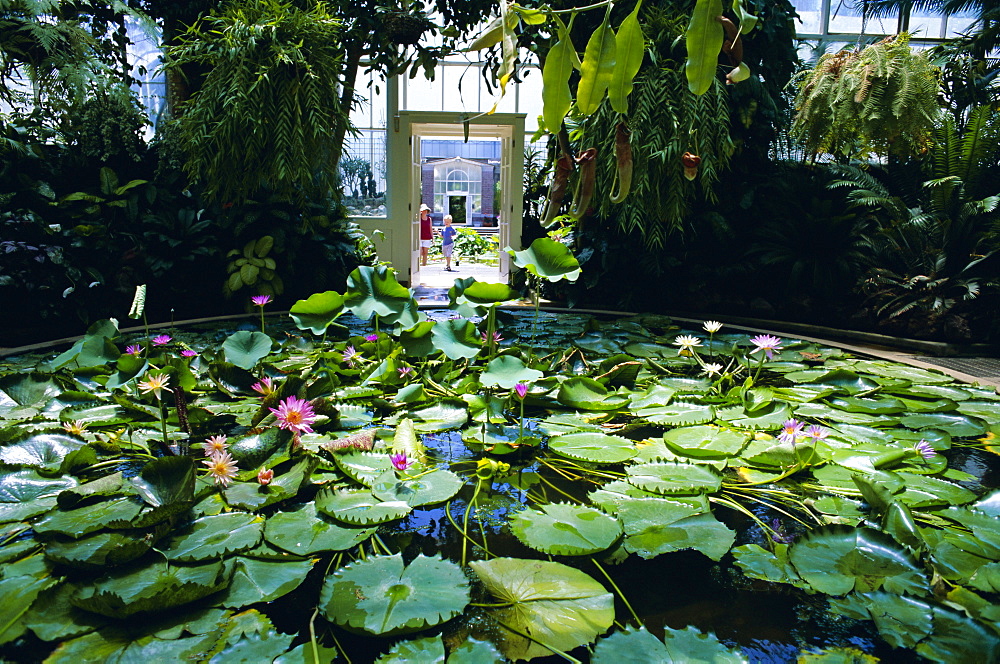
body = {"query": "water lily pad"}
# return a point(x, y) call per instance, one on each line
point(666, 478)
point(678, 645)
point(836, 560)
point(304, 531)
point(507, 371)
point(587, 394)
point(566, 530)
point(263, 580)
point(18, 593)
point(45, 451)
point(593, 447)
point(880, 406)
point(25, 493)
point(430, 488)
point(363, 467)
point(441, 416)
point(428, 650)
point(903, 372)
point(380, 596)
point(215, 536)
point(767, 418)
point(456, 338)
point(654, 526)
point(558, 605)
point(360, 508)
point(705, 442)
point(31, 389)
point(957, 424)
point(115, 513)
point(154, 588)
point(374, 291)
point(678, 413)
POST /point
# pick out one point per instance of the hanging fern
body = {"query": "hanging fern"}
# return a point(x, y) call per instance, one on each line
point(666, 121)
point(268, 110)
point(881, 100)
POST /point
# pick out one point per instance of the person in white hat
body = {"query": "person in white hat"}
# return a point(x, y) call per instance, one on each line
point(426, 232)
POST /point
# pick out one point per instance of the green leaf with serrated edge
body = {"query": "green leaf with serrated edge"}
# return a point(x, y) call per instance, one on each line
point(593, 447)
point(440, 416)
point(475, 652)
point(154, 588)
point(363, 467)
point(263, 580)
point(679, 645)
point(835, 560)
point(165, 481)
point(380, 596)
point(25, 493)
point(18, 593)
point(101, 549)
point(318, 311)
point(53, 618)
point(308, 653)
point(556, 604)
point(773, 566)
point(304, 531)
point(704, 42)
point(116, 513)
point(359, 508)
point(426, 488)
point(630, 49)
point(428, 650)
point(565, 530)
point(678, 413)
point(44, 451)
point(666, 478)
point(587, 394)
point(705, 442)
point(215, 536)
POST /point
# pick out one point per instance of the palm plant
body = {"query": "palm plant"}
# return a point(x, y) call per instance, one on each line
point(939, 249)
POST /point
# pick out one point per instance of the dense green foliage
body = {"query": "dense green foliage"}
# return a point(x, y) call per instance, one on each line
point(267, 112)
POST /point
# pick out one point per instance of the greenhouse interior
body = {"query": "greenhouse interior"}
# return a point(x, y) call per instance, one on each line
point(465, 332)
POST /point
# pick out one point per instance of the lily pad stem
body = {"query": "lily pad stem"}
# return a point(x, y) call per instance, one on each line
point(447, 511)
point(312, 624)
point(465, 521)
point(566, 656)
point(638, 621)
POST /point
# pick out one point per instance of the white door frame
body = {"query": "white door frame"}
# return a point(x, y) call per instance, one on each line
point(403, 201)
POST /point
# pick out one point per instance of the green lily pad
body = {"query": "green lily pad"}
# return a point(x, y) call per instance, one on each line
point(667, 478)
point(456, 338)
point(153, 588)
point(380, 596)
point(547, 259)
point(100, 550)
point(902, 372)
point(45, 451)
point(215, 536)
point(304, 531)
point(555, 604)
point(768, 418)
point(318, 311)
point(588, 394)
point(507, 371)
point(593, 447)
point(31, 389)
point(882, 406)
point(363, 467)
point(836, 560)
point(116, 513)
point(245, 349)
point(565, 530)
point(705, 442)
point(654, 526)
point(428, 650)
point(443, 415)
point(25, 493)
point(19, 593)
point(957, 424)
point(678, 413)
point(360, 508)
point(678, 645)
point(430, 488)
point(263, 580)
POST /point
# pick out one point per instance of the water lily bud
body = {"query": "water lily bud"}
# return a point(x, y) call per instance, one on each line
point(265, 476)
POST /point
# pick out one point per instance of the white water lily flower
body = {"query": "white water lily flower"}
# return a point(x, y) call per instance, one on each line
point(712, 369)
point(687, 343)
point(712, 326)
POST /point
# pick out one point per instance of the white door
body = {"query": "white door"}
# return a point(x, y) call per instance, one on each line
point(505, 209)
point(414, 209)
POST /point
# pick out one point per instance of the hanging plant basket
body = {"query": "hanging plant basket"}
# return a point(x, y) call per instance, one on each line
point(405, 28)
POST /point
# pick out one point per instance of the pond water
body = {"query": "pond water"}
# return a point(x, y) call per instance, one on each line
point(684, 496)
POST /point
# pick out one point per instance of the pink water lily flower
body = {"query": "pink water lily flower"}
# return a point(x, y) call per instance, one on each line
point(924, 449)
point(816, 432)
point(261, 300)
point(295, 415)
point(134, 349)
point(521, 389)
point(162, 340)
point(265, 386)
point(790, 430)
point(400, 462)
point(215, 445)
point(371, 337)
point(222, 467)
point(265, 476)
point(187, 352)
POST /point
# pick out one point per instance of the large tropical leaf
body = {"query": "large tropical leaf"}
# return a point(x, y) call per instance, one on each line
point(548, 259)
point(245, 349)
point(318, 311)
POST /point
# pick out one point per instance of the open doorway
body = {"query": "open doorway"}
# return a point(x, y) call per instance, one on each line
point(477, 182)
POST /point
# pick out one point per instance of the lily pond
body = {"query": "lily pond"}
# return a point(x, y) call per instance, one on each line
point(363, 481)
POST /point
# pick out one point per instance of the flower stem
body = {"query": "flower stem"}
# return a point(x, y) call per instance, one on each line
point(465, 521)
point(614, 585)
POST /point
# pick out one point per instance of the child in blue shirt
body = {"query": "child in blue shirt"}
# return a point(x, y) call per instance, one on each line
point(447, 242)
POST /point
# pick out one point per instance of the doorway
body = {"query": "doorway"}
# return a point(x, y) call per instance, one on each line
point(475, 178)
